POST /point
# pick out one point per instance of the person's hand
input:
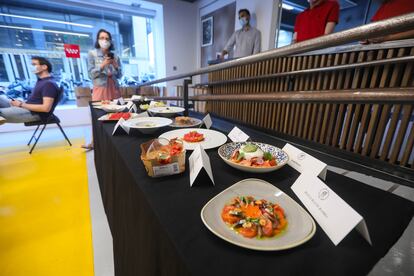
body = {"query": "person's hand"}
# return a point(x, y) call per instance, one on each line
point(16, 103)
point(115, 63)
point(106, 62)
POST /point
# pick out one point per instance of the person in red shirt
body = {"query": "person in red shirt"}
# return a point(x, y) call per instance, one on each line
point(388, 9)
point(320, 19)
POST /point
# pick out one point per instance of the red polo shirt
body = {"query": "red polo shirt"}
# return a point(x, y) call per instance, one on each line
point(393, 8)
point(311, 23)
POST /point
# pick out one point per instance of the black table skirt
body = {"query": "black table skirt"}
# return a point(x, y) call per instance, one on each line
point(157, 229)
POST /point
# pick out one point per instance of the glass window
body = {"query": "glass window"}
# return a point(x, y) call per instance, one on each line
point(3, 71)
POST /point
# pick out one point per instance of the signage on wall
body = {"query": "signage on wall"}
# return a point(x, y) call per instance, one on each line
point(72, 50)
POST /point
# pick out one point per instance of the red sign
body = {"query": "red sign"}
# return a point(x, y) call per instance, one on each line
point(72, 50)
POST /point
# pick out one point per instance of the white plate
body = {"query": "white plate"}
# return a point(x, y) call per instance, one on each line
point(194, 122)
point(226, 151)
point(301, 226)
point(148, 125)
point(112, 107)
point(212, 138)
point(106, 117)
point(166, 111)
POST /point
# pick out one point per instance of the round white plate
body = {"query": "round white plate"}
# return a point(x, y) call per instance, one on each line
point(147, 125)
point(194, 123)
point(301, 226)
point(281, 157)
point(113, 108)
point(212, 138)
point(166, 111)
point(106, 117)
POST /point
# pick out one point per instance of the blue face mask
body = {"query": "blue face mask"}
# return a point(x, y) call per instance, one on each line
point(243, 21)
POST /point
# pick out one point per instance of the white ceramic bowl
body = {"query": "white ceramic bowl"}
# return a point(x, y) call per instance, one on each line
point(147, 125)
point(166, 111)
point(226, 150)
point(113, 108)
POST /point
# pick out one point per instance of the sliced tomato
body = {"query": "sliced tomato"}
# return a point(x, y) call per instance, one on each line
point(250, 232)
point(193, 136)
point(228, 217)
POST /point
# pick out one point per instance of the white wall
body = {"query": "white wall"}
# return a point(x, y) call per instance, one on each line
point(180, 36)
point(264, 16)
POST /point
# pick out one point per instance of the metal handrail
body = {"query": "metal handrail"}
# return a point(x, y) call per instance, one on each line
point(389, 26)
point(313, 70)
point(373, 96)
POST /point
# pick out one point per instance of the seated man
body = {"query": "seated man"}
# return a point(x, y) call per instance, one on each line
point(320, 19)
point(41, 102)
point(246, 41)
point(388, 9)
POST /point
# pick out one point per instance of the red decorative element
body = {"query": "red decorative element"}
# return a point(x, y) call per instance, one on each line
point(72, 50)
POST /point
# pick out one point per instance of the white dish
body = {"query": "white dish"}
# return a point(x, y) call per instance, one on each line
point(148, 125)
point(193, 123)
point(301, 226)
point(106, 117)
point(166, 111)
point(226, 151)
point(212, 138)
point(112, 108)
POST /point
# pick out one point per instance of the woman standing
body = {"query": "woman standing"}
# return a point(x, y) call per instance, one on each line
point(104, 68)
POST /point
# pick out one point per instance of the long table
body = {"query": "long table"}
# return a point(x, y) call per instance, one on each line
point(157, 229)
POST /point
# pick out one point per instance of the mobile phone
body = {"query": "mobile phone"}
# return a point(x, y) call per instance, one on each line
point(10, 98)
point(110, 55)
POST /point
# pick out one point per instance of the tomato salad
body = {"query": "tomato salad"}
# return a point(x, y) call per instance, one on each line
point(193, 137)
point(254, 218)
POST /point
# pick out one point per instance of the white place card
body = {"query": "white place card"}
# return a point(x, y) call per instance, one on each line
point(207, 121)
point(303, 162)
point(331, 212)
point(237, 135)
point(120, 124)
point(120, 101)
point(197, 161)
point(143, 114)
point(129, 105)
point(135, 109)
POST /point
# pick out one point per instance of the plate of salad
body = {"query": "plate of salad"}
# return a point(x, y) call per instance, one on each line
point(257, 215)
point(253, 156)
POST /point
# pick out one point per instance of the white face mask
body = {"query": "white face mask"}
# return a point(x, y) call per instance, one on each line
point(35, 69)
point(243, 21)
point(104, 44)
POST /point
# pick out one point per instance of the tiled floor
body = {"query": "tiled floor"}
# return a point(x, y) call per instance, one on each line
point(398, 261)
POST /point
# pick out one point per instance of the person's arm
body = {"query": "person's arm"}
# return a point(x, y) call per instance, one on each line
point(257, 43)
point(329, 28)
point(46, 106)
point(118, 67)
point(295, 36)
point(229, 45)
point(93, 70)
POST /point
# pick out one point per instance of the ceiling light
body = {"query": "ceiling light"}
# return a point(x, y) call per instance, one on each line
point(287, 7)
point(47, 20)
point(42, 30)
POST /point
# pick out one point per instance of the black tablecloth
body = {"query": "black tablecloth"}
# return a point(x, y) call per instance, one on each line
point(157, 229)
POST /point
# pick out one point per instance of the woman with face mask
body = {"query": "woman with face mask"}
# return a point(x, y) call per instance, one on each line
point(104, 68)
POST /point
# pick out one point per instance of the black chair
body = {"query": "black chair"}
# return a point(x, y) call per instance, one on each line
point(52, 119)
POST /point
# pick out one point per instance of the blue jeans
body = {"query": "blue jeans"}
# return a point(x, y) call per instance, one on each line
point(14, 114)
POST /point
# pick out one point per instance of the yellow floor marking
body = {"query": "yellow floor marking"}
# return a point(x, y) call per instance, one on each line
point(45, 224)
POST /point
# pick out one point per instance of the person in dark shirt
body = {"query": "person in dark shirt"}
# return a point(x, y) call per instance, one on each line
point(41, 102)
point(320, 19)
point(389, 9)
